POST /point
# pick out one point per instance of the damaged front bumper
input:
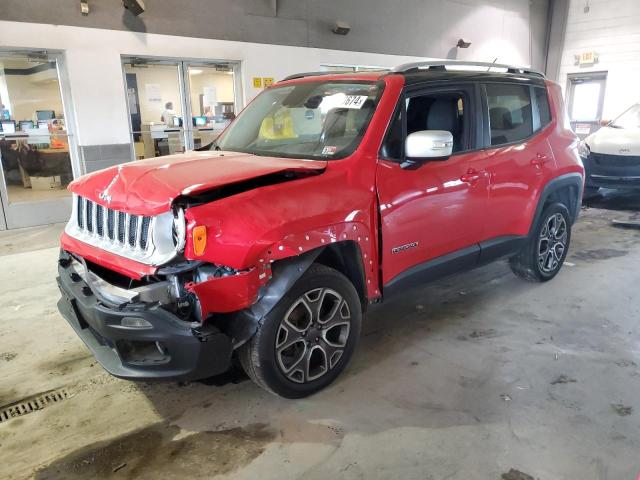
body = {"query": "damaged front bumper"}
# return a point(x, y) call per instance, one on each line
point(138, 340)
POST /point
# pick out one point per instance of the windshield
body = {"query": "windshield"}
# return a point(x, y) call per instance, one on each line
point(307, 120)
point(629, 119)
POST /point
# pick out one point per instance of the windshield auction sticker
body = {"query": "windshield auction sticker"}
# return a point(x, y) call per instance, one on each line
point(353, 101)
point(329, 150)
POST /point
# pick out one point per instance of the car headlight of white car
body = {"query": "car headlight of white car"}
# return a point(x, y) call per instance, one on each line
point(583, 149)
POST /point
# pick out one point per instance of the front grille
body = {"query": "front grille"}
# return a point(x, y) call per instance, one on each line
point(122, 229)
point(615, 160)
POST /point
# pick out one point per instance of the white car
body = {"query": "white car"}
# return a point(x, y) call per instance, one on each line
point(611, 156)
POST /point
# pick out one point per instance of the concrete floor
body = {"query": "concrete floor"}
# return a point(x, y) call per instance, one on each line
point(472, 377)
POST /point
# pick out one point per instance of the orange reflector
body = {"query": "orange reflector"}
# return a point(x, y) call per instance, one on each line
point(199, 239)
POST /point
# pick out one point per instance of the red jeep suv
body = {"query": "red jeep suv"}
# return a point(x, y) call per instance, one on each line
point(329, 192)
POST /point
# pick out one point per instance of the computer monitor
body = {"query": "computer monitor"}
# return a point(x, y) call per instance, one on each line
point(8, 126)
point(200, 121)
point(26, 125)
point(45, 114)
point(176, 121)
point(43, 124)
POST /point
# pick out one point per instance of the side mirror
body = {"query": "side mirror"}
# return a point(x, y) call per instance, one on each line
point(428, 145)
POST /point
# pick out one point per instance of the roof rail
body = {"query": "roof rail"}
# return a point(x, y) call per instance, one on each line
point(442, 64)
point(312, 74)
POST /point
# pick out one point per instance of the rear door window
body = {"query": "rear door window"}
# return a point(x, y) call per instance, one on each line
point(510, 113)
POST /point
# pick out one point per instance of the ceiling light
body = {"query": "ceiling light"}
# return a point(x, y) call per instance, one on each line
point(195, 71)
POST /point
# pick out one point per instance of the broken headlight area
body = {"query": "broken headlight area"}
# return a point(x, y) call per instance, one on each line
point(180, 288)
point(185, 279)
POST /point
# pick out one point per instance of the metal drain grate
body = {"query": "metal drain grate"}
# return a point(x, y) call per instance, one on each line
point(33, 404)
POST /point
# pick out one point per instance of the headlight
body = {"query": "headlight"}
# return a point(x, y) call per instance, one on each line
point(583, 149)
point(178, 230)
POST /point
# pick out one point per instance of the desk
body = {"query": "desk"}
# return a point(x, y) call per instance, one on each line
point(160, 140)
point(22, 159)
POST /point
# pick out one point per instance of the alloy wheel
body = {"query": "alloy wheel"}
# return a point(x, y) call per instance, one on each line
point(552, 243)
point(313, 335)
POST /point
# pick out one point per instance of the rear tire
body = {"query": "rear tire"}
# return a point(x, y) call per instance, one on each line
point(542, 257)
point(306, 341)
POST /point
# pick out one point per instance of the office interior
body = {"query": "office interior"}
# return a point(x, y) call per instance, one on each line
point(174, 106)
point(34, 146)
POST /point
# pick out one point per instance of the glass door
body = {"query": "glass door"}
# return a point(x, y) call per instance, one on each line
point(36, 144)
point(586, 99)
point(212, 101)
point(178, 105)
point(155, 93)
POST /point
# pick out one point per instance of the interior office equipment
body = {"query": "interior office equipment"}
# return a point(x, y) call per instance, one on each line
point(45, 114)
point(8, 126)
point(26, 125)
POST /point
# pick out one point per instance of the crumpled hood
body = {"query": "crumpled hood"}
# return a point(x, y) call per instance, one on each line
point(148, 187)
point(615, 141)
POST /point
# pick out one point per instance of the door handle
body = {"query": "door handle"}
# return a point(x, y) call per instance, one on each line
point(472, 175)
point(539, 160)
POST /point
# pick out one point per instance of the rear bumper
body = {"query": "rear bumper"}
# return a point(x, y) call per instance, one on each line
point(165, 348)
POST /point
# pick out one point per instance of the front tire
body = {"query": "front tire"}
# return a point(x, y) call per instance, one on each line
point(306, 341)
point(542, 257)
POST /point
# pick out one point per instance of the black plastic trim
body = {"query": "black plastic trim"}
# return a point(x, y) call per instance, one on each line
point(455, 262)
point(241, 326)
point(191, 352)
point(501, 247)
point(460, 260)
point(566, 180)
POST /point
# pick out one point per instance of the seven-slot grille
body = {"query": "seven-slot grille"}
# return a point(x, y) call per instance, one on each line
point(121, 228)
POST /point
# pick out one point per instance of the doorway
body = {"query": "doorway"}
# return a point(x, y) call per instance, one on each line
point(37, 148)
point(179, 105)
point(585, 101)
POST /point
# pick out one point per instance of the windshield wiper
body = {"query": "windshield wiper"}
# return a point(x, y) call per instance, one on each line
point(209, 146)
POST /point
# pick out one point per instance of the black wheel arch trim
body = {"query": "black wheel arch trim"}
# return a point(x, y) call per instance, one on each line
point(241, 326)
point(573, 179)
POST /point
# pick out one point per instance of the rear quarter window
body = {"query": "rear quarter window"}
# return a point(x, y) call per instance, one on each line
point(543, 106)
point(510, 113)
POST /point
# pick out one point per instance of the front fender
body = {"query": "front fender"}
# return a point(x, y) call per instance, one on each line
point(237, 292)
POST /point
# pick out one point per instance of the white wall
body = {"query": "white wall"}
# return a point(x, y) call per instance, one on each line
point(26, 94)
point(94, 67)
point(611, 28)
